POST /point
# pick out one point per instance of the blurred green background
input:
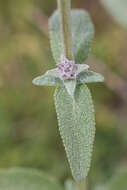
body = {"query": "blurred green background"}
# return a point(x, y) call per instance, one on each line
point(29, 134)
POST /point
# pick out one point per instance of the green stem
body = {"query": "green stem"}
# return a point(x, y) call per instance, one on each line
point(81, 185)
point(64, 7)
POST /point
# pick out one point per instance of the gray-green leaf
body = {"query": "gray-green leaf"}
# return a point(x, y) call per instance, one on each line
point(89, 77)
point(82, 35)
point(118, 9)
point(70, 86)
point(22, 179)
point(77, 128)
point(82, 68)
point(50, 78)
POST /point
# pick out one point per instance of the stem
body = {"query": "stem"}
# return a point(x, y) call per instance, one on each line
point(64, 7)
point(81, 185)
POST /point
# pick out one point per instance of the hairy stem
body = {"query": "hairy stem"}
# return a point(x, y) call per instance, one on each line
point(81, 186)
point(64, 7)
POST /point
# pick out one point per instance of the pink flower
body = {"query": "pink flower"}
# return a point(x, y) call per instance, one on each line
point(67, 69)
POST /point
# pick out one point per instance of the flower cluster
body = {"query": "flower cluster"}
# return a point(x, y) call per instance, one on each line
point(67, 69)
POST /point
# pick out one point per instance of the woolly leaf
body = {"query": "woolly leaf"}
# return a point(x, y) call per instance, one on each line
point(77, 128)
point(50, 78)
point(118, 9)
point(82, 35)
point(70, 86)
point(21, 179)
point(82, 68)
point(89, 77)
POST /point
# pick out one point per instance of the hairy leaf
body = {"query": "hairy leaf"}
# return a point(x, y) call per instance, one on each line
point(118, 9)
point(50, 78)
point(70, 86)
point(89, 77)
point(77, 128)
point(22, 179)
point(82, 68)
point(82, 35)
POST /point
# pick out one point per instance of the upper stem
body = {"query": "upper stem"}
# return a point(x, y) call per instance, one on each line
point(64, 7)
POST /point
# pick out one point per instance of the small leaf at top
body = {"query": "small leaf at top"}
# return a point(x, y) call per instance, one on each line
point(82, 35)
point(77, 128)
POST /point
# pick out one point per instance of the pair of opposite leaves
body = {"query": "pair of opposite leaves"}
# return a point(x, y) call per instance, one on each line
point(73, 100)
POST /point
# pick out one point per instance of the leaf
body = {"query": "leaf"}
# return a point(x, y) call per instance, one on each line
point(118, 9)
point(50, 78)
point(77, 128)
point(82, 35)
point(22, 179)
point(89, 77)
point(82, 68)
point(70, 86)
